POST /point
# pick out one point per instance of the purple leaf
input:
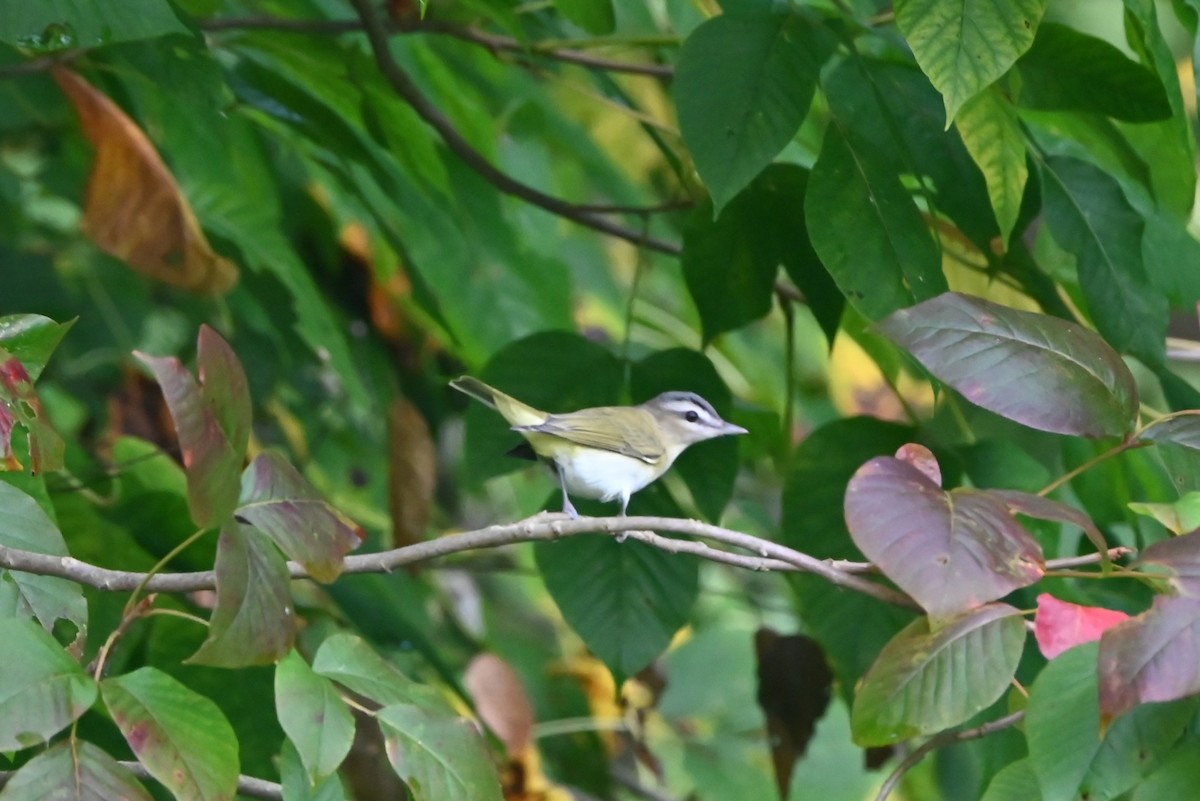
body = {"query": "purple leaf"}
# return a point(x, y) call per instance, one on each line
point(925, 681)
point(1182, 430)
point(951, 551)
point(278, 501)
point(1152, 657)
point(1180, 557)
point(212, 421)
point(1045, 509)
point(254, 623)
point(1040, 371)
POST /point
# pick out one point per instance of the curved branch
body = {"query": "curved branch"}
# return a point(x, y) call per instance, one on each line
point(391, 70)
point(942, 740)
point(767, 555)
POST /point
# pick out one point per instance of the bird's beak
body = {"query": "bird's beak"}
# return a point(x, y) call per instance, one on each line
point(730, 428)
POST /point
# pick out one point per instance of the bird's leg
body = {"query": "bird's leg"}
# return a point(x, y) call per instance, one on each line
point(624, 505)
point(568, 507)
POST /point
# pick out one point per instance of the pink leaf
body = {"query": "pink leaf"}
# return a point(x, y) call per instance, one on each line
point(1062, 625)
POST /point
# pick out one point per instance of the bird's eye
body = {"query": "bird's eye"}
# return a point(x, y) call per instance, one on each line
point(691, 417)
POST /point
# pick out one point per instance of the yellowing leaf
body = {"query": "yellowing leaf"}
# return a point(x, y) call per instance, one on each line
point(135, 210)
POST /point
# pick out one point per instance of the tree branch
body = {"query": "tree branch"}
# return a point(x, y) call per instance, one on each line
point(941, 740)
point(767, 555)
point(391, 70)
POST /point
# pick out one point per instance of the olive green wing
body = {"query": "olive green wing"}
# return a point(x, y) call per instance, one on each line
point(634, 435)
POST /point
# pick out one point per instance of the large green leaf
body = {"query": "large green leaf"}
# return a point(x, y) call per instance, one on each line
point(355, 665)
point(951, 551)
point(438, 757)
point(983, 349)
point(926, 681)
point(814, 522)
point(46, 599)
point(1089, 216)
point(1066, 70)
point(73, 771)
point(212, 421)
point(32, 338)
point(180, 736)
point(1151, 657)
point(314, 716)
point(625, 599)
point(296, 784)
point(1177, 776)
point(42, 689)
point(280, 502)
point(867, 230)
point(50, 25)
point(1072, 756)
point(254, 622)
point(743, 85)
point(965, 45)
point(1015, 782)
point(991, 130)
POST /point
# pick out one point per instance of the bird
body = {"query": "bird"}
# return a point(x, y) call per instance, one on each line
point(607, 453)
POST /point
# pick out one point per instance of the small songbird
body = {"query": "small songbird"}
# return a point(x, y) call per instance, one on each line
point(607, 452)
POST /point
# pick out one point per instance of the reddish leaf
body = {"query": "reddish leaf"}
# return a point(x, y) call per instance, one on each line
point(212, 421)
point(412, 472)
point(32, 338)
point(794, 686)
point(992, 355)
point(1180, 557)
point(951, 551)
point(19, 403)
point(501, 701)
point(1152, 657)
point(254, 623)
point(923, 459)
point(135, 210)
point(1061, 625)
point(278, 501)
point(1182, 430)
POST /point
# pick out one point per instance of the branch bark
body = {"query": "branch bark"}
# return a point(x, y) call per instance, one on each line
point(765, 555)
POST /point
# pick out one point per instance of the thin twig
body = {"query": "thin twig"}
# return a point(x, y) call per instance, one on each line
point(433, 116)
point(1065, 563)
point(767, 555)
point(941, 740)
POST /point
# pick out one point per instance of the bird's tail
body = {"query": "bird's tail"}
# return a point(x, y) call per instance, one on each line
point(515, 412)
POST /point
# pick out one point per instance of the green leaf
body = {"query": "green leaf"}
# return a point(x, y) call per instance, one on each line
point(314, 716)
point(1089, 216)
point(1176, 777)
point(355, 665)
point(296, 784)
point(982, 349)
point(594, 16)
point(708, 468)
point(1180, 517)
point(991, 131)
point(926, 681)
point(625, 599)
point(180, 736)
point(280, 503)
point(1066, 70)
point(438, 757)
point(73, 771)
point(32, 338)
point(1016, 781)
point(212, 422)
point(743, 85)
point(964, 46)
point(867, 230)
point(730, 263)
point(814, 522)
point(50, 25)
point(553, 370)
point(46, 599)
point(42, 689)
point(1072, 757)
point(1151, 657)
point(951, 551)
point(254, 622)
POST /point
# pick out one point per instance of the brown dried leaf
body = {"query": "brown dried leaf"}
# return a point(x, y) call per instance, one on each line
point(135, 210)
point(501, 701)
point(412, 472)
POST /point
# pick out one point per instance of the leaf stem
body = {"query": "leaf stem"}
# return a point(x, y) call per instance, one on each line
point(158, 566)
point(1116, 450)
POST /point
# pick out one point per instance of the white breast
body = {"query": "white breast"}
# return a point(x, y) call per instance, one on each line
point(604, 475)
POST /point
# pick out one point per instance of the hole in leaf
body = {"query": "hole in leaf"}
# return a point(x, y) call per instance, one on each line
point(65, 631)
